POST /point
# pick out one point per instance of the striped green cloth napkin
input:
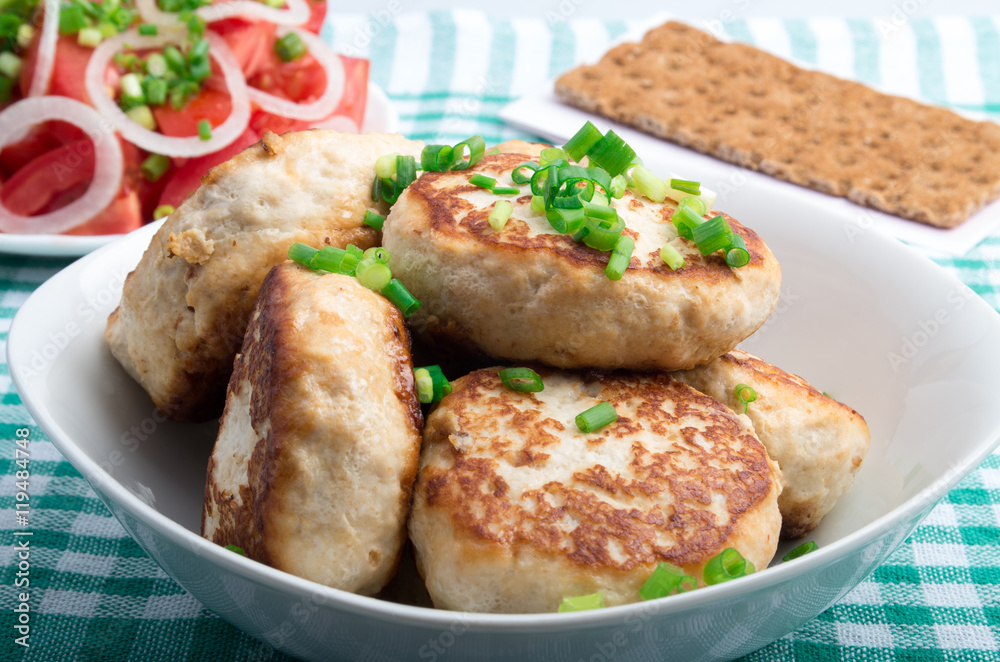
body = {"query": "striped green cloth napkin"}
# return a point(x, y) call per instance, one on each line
point(97, 596)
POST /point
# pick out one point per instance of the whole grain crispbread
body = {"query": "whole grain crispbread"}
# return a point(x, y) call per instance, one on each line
point(756, 110)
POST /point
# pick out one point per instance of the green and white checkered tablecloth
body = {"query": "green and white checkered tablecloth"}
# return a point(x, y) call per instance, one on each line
point(96, 596)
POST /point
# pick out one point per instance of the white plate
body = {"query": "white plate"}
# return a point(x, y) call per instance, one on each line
point(866, 319)
point(379, 116)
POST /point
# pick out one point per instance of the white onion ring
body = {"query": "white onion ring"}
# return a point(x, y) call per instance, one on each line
point(295, 13)
point(17, 118)
point(45, 58)
point(151, 141)
point(320, 108)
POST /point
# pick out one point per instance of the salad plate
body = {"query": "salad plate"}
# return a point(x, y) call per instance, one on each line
point(379, 116)
point(861, 316)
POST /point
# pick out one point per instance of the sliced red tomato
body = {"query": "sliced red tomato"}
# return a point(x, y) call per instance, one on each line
point(317, 13)
point(123, 215)
point(249, 41)
point(40, 139)
point(210, 104)
point(40, 183)
point(68, 72)
point(187, 177)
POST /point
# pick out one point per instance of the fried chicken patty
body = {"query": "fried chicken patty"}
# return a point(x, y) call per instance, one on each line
point(186, 305)
point(529, 293)
point(317, 453)
point(516, 509)
point(819, 443)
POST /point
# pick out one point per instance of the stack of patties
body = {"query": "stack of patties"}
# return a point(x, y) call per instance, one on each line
point(516, 508)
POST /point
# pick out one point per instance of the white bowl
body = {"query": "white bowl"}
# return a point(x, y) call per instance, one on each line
point(861, 317)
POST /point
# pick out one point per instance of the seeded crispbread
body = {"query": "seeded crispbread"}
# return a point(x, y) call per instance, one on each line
point(758, 111)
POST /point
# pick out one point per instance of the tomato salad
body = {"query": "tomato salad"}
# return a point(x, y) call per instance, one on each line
point(112, 111)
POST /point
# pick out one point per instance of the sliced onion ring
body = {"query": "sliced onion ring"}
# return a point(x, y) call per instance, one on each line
point(320, 108)
point(296, 12)
point(151, 141)
point(45, 58)
point(15, 121)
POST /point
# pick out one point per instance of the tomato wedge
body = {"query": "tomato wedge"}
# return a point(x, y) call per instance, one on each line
point(250, 42)
point(68, 72)
point(317, 13)
point(210, 104)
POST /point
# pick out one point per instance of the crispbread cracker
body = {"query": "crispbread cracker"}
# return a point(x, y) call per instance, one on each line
point(758, 111)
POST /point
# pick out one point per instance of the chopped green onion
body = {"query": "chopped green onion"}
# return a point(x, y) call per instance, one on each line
point(538, 204)
point(801, 550)
point(175, 60)
point(522, 380)
point(712, 235)
point(198, 51)
point(611, 153)
point(154, 166)
point(582, 602)
point(156, 90)
point(148, 30)
point(89, 37)
point(499, 214)
point(372, 273)
point(618, 185)
point(204, 130)
point(431, 384)
point(518, 175)
point(436, 158)
point(745, 395)
point(579, 145)
point(6, 88)
point(373, 220)
point(483, 181)
point(10, 64)
point(620, 257)
point(238, 550)
point(302, 253)
point(605, 235)
point(667, 579)
point(25, 35)
point(696, 204)
point(686, 186)
point(290, 47)
point(649, 184)
point(132, 88)
point(397, 293)
point(476, 146)
point(552, 155)
point(728, 564)
point(200, 69)
point(737, 254)
point(277, 4)
point(161, 211)
point(385, 166)
point(595, 418)
point(671, 257)
point(565, 221)
point(406, 174)
point(336, 260)
point(143, 116)
point(685, 220)
point(377, 252)
point(506, 190)
point(71, 18)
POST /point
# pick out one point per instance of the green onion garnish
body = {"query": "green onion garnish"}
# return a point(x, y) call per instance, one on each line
point(301, 253)
point(685, 220)
point(499, 214)
point(71, 18)
point(372, 273)
point(538, 204)
point(620, 257)
point(431, 383)
point(238, 550)
point(595, 418)
point(582, 602)
point(712, 235)
point(204, 130)
point(552, 155)
point(611, 153)
point(665, 580)
point(696, 204)
point(506, 190)
point(143, 116)
point(290, 47)
point(518, 174)
point(161, 211)
point(89, 37)
point(397, 293)
point(686, 186)
point(476, 146)
point(385, 165)
point(619, 183)
point(737, 254)
point(337, 260)
point(801, 550)
point(522, 380)
point(377, 253)
point(148, 30)
point(483, 181)
point(154, 166)
point(582, 141)
point(6, 88)
point(373, 220)
point(725, 566)
point(649, 184)
point(671, 257)
point(406, 171)
point(156, 90)
point(745, 395)
point(436, 158)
